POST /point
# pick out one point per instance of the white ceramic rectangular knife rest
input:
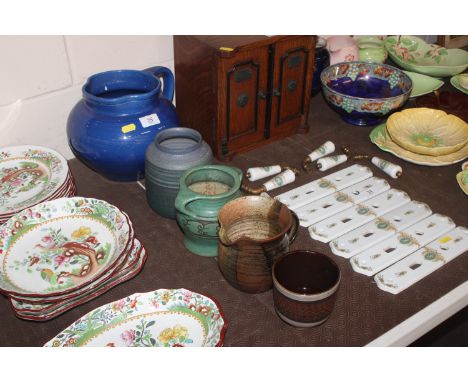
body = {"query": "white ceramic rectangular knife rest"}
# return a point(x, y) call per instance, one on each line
point(355, 216)
point(397, 247)
point(379, 229)
point(325, 186)
point(330, 205)
point(423, 262)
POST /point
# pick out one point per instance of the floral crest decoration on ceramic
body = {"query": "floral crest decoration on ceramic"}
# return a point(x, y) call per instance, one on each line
point(168, 318)
point(133, 262)
point(61, 259)
point(408, 50)
point(28, 175)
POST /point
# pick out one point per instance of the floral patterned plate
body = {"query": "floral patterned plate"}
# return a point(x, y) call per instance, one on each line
point(28, 311)
point(165, 317)
point(29, 175)
point(414, 54)
point(380, 137)
point(40, 308)
point(108, 274)
point(69, 190)
point(60, 191)
point(60, 246)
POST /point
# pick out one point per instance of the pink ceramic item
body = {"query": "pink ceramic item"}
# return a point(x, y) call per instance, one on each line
point(342, 48)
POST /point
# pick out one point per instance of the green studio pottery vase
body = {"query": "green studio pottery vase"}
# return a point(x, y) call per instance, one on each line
point(203, 191)
point(172, 152)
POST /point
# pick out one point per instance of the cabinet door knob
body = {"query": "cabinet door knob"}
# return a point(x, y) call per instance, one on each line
point(276, 92)
point(242, 100)
point(292, 85)
point(261, 94)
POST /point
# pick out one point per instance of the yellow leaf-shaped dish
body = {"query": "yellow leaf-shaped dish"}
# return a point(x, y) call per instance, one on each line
point(380, 136)
point(427, 131)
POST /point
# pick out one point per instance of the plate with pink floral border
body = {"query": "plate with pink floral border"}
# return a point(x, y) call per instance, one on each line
point(110, 272)
point(68, 189)
point(60, 246)
point(162, 318)
point(29, 175)
point(131, 268)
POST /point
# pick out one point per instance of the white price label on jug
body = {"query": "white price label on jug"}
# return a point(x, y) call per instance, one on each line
point(149, 120)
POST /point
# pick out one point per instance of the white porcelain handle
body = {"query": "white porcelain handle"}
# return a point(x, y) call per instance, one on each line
point(326, 163)
point(256, 173)
point(391, 169)
point(327, 148)
point(280, 180)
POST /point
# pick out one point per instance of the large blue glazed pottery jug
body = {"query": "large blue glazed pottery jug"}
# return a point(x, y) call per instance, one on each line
point(119, 115)
point(203, 191)
point(173, 151)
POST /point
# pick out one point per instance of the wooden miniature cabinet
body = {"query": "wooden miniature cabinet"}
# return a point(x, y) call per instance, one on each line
point(241, 92)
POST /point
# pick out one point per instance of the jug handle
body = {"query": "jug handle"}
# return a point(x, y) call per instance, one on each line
point(292, 233)
point(168, 79)
point(181, 204)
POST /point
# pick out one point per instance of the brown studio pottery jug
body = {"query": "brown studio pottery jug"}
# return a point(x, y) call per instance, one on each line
point(254, 231)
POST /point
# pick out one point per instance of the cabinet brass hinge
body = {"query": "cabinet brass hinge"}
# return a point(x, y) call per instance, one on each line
point(224, 148)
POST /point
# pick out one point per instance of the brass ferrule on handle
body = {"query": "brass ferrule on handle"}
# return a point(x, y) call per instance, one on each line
point(347, 150)
point(307, 164)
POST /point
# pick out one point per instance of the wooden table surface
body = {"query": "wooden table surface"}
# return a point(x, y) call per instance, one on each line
point(362, 312)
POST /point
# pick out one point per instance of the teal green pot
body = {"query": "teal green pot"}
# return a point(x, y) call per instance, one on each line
point(203, 191)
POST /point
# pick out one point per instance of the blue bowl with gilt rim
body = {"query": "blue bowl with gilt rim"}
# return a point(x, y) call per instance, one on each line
point(364, 93)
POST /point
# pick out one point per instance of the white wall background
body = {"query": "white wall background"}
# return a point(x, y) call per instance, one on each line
point(41, 79)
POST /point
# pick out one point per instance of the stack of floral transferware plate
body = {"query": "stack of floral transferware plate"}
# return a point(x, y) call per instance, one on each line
point(63, 253)
point(164, 317)
point(424, 136)
point(30, 175)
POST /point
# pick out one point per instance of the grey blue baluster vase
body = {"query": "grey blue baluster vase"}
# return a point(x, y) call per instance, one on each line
point(203, 191)
point(172, 152)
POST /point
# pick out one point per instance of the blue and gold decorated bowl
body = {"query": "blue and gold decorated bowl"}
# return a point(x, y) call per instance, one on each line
point(364, 93)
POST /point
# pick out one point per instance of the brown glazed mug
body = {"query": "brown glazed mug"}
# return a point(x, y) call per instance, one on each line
point(254, 231)
point(304, 287)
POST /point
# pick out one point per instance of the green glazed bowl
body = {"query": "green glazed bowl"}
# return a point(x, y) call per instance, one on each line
point(414, 54)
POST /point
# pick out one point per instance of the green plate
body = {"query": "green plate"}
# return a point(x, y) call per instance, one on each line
point(423, 84)
point(416, 55)
point(455, 81)
point(462, 179)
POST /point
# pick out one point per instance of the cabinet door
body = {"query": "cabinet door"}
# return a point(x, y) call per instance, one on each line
point(293, 62)
point(242, 87)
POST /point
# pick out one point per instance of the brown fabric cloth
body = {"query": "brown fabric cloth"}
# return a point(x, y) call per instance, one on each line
point(362, 312)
